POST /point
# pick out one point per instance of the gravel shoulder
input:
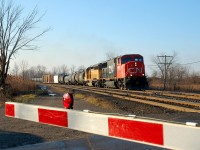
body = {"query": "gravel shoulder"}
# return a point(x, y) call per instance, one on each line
point(16, 132)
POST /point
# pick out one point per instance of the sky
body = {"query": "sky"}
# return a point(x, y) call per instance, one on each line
point(83, 31)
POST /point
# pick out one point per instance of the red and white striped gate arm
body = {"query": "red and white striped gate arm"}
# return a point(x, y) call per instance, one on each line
point(162, 134)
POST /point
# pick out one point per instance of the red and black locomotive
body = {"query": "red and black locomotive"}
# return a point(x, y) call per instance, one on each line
point(124, 72)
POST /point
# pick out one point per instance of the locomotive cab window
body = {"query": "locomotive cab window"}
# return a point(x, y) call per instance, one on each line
point(138, 59)
point(127, 59)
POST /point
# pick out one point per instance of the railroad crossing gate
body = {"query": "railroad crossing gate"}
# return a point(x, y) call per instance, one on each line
point(131, 128)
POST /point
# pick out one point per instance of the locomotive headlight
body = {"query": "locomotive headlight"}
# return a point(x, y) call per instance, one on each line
point(131, 75)
point(135, 64)
point(142, 74)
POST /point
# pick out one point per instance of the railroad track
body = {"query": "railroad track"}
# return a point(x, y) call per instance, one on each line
point(172, 101)
point(156, 93)
point(174, 94)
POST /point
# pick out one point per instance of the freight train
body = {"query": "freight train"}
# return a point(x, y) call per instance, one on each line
point(124, 72)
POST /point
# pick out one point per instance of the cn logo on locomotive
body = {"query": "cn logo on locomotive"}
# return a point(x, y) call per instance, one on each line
point(134, 70)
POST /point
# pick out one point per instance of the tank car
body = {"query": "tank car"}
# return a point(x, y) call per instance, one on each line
point(67, 79)
point(61, 78)
point(76, 78)
point(73, 81)
point(81, 78)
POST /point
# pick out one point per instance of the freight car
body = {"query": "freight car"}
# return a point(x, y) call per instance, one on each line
point(48, 78)
point(76, 78)
point(81, 78)
point(61, 78)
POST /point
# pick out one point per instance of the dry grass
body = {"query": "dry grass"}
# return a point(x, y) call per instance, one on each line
point(62, 90)
point(94, 101)
point(79, 96)
point(178, 87)
point(190, 87)
point(186, 85)
point(18, 84)
point(1, 104)
point(24, 98)
point(59, 89)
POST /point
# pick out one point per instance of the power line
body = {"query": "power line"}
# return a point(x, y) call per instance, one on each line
point(191, 63)
point(179, 64)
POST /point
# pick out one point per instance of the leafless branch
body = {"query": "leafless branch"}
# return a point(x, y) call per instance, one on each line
point(14, 31)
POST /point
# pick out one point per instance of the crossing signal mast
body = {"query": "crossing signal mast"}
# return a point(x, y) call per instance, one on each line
point(166, 64)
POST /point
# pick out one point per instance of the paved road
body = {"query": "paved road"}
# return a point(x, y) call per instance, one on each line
point(92, 142)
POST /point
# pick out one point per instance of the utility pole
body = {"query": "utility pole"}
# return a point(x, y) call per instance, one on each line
point(165, 63)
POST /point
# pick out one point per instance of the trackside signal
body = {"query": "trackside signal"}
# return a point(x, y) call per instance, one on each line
point(68, 101)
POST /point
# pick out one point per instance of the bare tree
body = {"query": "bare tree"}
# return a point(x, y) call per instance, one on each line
point(81, 68)
point(24, 68)
point(40, 70)
point(177, 75)
point(15, 69)
point(36, 71)
point(55, 70)
point(63, 69)
point(195, 76)
point(15, 34)
point(181, 73)
point(72, 68)
point(33, 72)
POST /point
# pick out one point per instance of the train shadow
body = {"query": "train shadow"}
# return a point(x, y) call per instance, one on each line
point(14, 139)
